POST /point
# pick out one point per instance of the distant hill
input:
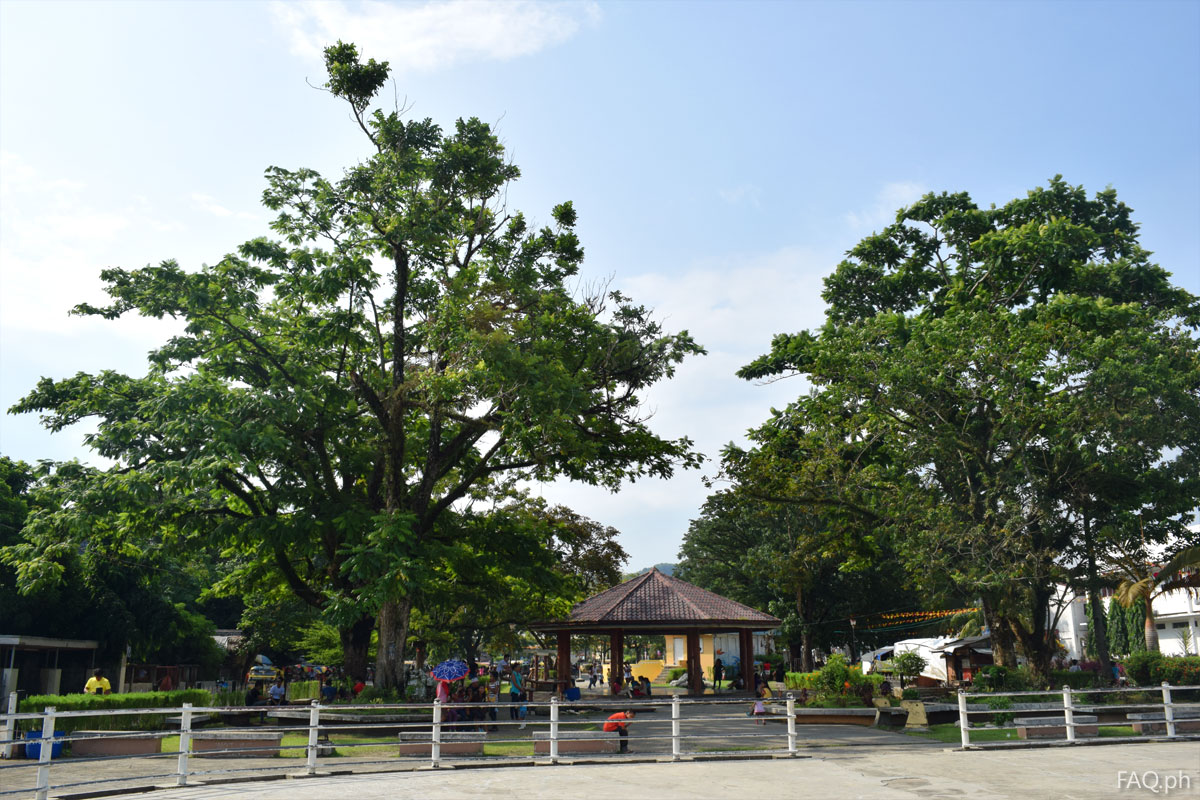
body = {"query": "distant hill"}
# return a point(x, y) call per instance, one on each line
point(665, 569)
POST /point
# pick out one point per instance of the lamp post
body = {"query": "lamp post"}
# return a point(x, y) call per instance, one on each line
point(853, 640)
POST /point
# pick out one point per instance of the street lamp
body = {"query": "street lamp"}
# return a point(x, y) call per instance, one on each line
point(853, 640)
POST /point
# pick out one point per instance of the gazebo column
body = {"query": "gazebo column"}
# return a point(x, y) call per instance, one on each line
point(695, 670)
point(746, 651)
point(616, 658)
point(564, 661)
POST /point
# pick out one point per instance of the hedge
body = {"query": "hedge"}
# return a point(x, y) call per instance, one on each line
point(95, 702)
point(1151, 669)
point(1084, 679)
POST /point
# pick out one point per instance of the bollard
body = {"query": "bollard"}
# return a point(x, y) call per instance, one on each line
point(1168, 710)
point(675, 728)
point(314, 726)
point(185, 744)
point(46, 750)
point(436, 756)
point(553, 730)
point(964, 722)
point(1068, 713)
point(791, 712)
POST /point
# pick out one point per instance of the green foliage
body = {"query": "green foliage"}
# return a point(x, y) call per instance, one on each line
point(92, 702)
point(832, 679)
point(304, 690)
point(1135, 625)
point(1151, 668)
point(320, 643)
point(800, 680)
point(910, 694)
point(1118, 632)
point(999, 703)
point(1084, 679)
point(675, 673)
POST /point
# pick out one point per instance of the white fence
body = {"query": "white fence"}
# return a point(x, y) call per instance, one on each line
point(433, 729)
point(1080, 719)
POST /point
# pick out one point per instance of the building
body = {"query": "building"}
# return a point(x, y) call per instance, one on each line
point(1177, 615)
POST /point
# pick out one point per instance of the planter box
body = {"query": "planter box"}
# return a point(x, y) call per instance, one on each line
point(574, 742)
point(247, 744)
point(453, 744)
point(833, 716)
point(113, 743)
point(1185, 722)
point(1055, 727)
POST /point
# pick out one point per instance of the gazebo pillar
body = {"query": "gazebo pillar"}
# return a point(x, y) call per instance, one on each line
point(564, 661)
point(746, 651)
point(695, 670)
point(616, 657)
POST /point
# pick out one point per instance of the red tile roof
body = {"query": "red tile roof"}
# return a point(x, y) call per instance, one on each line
point(655, 597)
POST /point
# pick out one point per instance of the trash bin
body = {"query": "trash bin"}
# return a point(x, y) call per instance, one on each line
point(33, 745)
point(572, 693)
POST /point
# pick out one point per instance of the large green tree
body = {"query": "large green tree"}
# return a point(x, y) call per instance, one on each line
point(972, 354)
point(406, 346)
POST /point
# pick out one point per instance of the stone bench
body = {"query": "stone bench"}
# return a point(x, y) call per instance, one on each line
point(113, 743)
point(572, 742)
point(1056, 727)
point(248, 744)
point(1156, 723)
point(453, 744)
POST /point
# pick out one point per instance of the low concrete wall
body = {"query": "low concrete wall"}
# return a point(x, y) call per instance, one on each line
point(453, 744)
point(1055, 728)
point(247, 744)
point(113, 743)
point(1156, 724)
point(574, 742)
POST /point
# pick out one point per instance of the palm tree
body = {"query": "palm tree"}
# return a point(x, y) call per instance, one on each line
point(1181, 572)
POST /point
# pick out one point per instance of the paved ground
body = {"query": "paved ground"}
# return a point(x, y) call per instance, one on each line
point(1080, 773)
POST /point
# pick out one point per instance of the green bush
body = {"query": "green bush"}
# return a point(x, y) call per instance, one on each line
point(676, 673)
point(999, 703)
point(114, 722)
point(908, 664)
point(910, 694)
point(995, 678)
point(834, 678)
point(1085, 679)
point(1139, 666)
point(800, 680)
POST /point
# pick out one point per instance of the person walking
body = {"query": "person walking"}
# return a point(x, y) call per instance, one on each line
point(618, 723)
point(516, 694)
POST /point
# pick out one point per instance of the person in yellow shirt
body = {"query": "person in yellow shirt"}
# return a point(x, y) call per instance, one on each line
point(98, 684)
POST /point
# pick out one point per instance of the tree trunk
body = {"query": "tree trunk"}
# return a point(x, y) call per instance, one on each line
point(1151, 627)
point(356, 640)
point(1097, 625)
point(806, 659)
point(393, 633)
point(1003, 647)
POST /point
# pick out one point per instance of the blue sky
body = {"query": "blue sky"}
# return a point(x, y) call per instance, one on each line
point(721, 156)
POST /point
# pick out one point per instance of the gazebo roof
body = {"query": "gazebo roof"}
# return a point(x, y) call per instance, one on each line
point(655, 600)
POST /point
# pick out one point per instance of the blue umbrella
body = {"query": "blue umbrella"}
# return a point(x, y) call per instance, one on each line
point(450, 670)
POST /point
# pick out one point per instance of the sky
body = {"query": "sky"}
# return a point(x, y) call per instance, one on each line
point(721, 156)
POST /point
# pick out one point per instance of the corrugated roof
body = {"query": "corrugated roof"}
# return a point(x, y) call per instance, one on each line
point(655, 597)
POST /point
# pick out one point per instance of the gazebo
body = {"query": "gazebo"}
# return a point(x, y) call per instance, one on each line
point(657, 603)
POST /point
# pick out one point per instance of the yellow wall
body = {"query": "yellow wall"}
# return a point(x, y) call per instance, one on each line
point(650, 668)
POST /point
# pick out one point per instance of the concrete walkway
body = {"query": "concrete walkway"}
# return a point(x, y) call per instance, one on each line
point(1080, 773)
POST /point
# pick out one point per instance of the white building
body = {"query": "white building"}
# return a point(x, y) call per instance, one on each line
point(1175, 613)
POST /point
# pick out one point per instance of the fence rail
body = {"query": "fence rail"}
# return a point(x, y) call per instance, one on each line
point(1175, 715)
point(437, 730)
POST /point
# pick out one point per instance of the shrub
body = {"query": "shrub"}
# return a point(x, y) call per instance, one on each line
point(910, 694)
point(1085, 679)
point(115, 722)
point(834, 677)
point(304, 690)
point(1140, 665)
point(676, 673)
point(800, 680)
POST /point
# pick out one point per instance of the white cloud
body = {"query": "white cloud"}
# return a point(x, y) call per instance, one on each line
point(890, 199)
point(208, 203)
point(432, 35)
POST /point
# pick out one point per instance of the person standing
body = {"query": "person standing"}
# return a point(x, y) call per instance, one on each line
point(516, 693)
point(97, 684)
point(618, 723)
point(718, 674)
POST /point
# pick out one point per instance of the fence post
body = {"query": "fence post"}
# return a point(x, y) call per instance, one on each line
point(45, 751)
point(1068, 713)
point(553, 730)
point(964, 722)
point(1168, 710)
point(10, 726)
point(791, 712)
point(436, 754)
point(314, 726)
point(185, 745)
point(675, 728)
